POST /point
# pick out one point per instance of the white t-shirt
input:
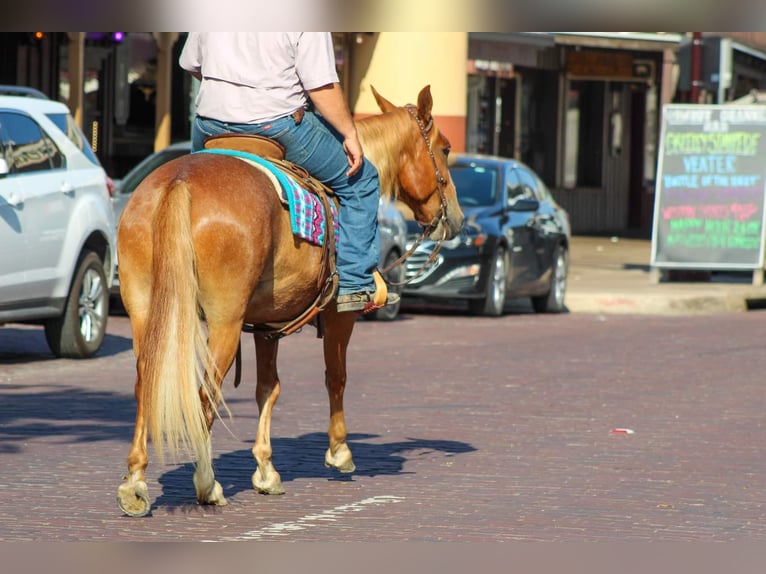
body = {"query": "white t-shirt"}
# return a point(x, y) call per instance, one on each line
point(254, 77)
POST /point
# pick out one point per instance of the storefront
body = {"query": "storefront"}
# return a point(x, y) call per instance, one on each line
point(123, 88)
point(582, 110)
point(135, 100)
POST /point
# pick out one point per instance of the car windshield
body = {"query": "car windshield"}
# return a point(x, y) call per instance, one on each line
point(148, 165)
point(476, 184)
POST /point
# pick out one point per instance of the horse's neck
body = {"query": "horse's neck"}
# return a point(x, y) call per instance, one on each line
point(383, 138)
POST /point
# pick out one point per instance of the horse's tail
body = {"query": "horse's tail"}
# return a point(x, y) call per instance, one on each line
point(174, 358)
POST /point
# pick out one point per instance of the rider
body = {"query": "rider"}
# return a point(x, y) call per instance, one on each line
point(262, 83)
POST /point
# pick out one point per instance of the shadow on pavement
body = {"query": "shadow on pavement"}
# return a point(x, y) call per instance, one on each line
point(27, 344)
point(73, 415)
point(303, 457)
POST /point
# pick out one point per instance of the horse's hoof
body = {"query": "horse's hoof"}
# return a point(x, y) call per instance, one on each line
point(133, 499)
point(342, 461)
point(271, 486)
point(348, 467)
point(215, 496)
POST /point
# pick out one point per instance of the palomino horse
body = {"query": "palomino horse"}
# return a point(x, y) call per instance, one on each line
point(206, 247)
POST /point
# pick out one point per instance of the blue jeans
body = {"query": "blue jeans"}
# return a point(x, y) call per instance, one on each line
point(316, 146)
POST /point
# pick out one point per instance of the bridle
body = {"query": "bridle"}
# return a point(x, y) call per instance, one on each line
point(441, 216)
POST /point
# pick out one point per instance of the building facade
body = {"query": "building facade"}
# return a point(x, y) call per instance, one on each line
point(582, 109)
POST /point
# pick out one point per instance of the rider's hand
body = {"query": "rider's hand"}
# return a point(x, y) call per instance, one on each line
point(354, 153)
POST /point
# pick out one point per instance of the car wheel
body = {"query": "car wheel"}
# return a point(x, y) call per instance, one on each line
point(395, 275)
point(493, 303)
point(553, 301)
point(79, 332)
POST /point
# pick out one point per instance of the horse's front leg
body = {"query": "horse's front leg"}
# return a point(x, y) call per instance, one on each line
point(133, 494)
point(266, 479)
point(338, 329)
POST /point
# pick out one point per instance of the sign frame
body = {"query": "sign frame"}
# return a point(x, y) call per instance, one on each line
point(710, 120)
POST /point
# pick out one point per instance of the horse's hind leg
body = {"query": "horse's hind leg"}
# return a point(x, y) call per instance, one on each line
point(223, 341)
point(266, 479)
point(133, 494)
point(338, 328)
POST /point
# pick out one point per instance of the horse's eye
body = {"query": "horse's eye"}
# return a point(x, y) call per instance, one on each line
point(446, 151)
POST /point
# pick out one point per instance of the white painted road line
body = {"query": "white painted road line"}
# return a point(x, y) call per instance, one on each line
point(281, 529)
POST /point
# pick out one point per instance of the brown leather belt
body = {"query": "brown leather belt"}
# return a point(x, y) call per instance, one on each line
point(297, 115)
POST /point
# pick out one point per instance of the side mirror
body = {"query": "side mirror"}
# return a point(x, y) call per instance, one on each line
point(524, 204)
point(4, 169)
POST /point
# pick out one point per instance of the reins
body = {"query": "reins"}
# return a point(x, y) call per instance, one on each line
point(441, 217)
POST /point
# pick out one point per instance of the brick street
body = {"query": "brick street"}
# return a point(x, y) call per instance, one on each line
point(462, 429)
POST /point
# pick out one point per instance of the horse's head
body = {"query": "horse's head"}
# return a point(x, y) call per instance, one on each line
point(420, 177)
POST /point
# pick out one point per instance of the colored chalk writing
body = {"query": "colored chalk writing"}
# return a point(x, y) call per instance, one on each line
point(709, 197)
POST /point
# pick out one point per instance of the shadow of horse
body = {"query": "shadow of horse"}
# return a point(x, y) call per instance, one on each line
point(30, 411)
point(303, 457)
point(27, 345)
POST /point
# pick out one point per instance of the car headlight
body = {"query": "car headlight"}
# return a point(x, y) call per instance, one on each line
point(466, 240)
point(453, 243)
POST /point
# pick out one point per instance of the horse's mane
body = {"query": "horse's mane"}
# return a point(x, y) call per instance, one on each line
point(382, 139)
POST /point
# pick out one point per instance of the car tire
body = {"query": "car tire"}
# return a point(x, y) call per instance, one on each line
point(493, 302)
point(395, 275)
point(553, 300)
point(80, 330)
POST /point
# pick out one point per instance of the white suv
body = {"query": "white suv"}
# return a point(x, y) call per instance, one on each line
point(57, 226)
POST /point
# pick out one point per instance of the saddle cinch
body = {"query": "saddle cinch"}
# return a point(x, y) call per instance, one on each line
point(327, 281)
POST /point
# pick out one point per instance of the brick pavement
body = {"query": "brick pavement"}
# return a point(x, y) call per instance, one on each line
point(463, 429)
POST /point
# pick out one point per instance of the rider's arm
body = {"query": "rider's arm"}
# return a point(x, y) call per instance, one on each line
point(330, 103)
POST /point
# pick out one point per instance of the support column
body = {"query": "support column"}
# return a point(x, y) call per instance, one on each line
point(76, 63)
point(165, 42)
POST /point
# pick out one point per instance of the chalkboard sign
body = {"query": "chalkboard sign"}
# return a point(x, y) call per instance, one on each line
point(711, 177)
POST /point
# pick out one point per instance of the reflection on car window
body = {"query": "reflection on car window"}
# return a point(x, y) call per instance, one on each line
point(65, 123)
point(27, 147)
point(543, 192)
point(57, 158)
point(476, 185)
point(526, 186)
point(515, 189)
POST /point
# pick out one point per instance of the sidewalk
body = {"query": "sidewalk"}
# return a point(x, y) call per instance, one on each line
point(612, 275)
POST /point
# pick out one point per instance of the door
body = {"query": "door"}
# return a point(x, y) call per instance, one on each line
point(13, 244)
point(46, 194)
point(520, 230)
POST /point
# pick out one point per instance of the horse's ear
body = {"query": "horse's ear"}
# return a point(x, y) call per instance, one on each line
point(383, 103)
point(425, 103)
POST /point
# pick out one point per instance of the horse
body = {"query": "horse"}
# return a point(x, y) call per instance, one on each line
point(205, 248)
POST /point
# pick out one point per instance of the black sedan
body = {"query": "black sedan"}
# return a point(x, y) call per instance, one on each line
point(514, 242)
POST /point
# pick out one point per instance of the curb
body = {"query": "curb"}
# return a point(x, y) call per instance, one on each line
point(662, 303)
